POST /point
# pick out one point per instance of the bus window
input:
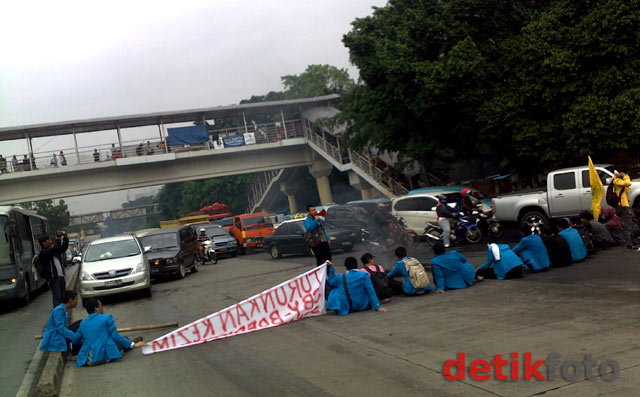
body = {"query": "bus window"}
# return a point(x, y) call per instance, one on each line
point(5, 245)
point(37, 229)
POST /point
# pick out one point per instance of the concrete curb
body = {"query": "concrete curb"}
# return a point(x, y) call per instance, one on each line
point(45, 370)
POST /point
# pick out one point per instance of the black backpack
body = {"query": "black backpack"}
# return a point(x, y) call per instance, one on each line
point(613, 199)
point(380, 282)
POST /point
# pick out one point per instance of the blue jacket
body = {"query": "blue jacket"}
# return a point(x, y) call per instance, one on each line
point(56, 334)
point(534, 253)
point(578, 250)
point(508, 260)
point(363, 296)
point(310, 224)
point(100, 337)
point(401, 270)
point(451, 271)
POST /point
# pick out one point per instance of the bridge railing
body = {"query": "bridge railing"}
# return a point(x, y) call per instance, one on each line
point(331, 146)
point(260, 186)
point(263, 133)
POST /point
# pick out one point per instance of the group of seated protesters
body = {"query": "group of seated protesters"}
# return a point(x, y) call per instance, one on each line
point(95, 340)
point(365, 288)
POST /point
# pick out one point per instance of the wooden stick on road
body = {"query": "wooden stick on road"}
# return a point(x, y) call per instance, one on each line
point(138, 328)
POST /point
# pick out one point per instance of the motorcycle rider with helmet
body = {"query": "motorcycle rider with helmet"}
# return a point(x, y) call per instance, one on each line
point(466, 205)
point(445, 214)
point(202, 237)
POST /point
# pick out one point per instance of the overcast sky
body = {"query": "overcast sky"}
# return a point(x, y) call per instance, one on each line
point(66, 60)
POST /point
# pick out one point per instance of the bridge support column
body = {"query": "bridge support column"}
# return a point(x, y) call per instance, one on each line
point(290, 190)
point(365, 188)
point(321, 169)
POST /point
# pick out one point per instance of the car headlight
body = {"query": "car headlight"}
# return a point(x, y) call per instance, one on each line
point(169, 261)
point(139, 268)
point(332, 238)
point(84, 276)
point(175, 260)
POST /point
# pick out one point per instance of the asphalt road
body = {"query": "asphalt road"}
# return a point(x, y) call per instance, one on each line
point(588, 308)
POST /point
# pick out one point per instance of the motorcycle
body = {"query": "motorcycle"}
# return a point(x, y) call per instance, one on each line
point(462, 228)
point(209, 252)
point(488, 224)
point(399, 234)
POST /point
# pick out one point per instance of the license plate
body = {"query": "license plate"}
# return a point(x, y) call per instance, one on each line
point(346, 243)
point(112, 282)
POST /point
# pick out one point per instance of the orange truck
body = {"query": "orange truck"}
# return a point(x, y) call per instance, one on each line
point(250, 229)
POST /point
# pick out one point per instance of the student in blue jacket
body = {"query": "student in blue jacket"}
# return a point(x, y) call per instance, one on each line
point(502, 263)
point(400, 269)
point(451, 270)
point(532, 250)
point(100, 337)
point(359, 286)
point(578, 249)
point(56, 335)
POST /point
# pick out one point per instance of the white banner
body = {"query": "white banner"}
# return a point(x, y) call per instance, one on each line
point(295, 299)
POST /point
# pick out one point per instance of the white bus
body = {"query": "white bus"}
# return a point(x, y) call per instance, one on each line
point(18, 245)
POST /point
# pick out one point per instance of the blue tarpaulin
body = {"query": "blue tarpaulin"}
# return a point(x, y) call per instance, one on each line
point(188, 135)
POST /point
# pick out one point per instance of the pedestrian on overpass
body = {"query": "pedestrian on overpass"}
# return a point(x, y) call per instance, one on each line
point(54, 161)
point(96, 155)
point(63, 160)
point(99, 336)
point(3, 165)
point(56, 335)
point(49, 265)
point(317, 236)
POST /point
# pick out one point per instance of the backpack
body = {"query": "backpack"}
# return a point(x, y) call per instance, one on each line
point(613, 199)
point(380, 282)
point(417, 274)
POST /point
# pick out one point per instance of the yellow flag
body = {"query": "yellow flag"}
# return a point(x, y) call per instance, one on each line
point(597, 190)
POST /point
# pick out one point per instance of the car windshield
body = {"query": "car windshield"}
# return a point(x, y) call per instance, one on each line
point(160, 241)
point(5, 248)
point(111, 250)
point(256, 222)
point(215, 231)
point(224, 222)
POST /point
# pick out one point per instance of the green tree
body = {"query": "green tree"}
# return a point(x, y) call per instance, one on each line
point(317, 80)
point(531, 83)
point(57, 214)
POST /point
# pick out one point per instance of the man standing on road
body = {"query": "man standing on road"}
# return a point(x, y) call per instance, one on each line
point(57, 334)
point(49, 265)
point(317, 236)
point(622, 182)
point(100, 339)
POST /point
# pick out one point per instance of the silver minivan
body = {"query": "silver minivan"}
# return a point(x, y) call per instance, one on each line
point(114, 265)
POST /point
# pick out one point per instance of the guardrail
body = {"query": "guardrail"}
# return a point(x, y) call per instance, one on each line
point(260, 186)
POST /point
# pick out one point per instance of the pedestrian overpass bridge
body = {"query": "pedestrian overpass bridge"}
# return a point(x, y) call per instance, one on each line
point(271, 148)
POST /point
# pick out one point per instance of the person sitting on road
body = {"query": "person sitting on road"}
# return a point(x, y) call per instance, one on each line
point(532, 250)
point(99, 336)
point(351, 291)
point(56, 336)
point(444, 215)
point(451, 270)
point(373, 270)
point(400, 269)
point(502, 263)
point(613, 225)
point(557, 248)
point(578, 249)
point(600, 235)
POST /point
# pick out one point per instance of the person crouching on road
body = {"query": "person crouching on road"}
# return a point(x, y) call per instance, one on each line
point(600, 235)
point(402, 268)
point(502, 263)
point(613, 225)
point(557, 247)
point(578, 249)
point(56, 336)
point(352, 291)
point(378, 277)
point(317, 236)
point(532, 250)
point(100, 339)
point(451, 270)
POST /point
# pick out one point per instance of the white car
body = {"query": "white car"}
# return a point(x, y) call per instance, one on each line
point(114, 265)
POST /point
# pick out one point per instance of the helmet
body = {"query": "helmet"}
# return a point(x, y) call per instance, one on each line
point(465, 192)
point(442, 198)
point(202, 230)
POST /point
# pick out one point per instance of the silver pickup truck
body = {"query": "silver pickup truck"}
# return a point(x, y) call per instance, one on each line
point(568, 192)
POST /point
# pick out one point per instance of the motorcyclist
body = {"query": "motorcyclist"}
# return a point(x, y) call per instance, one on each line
point(445, 214)
point(466, 204)
point(202, 237)
point(384, 221)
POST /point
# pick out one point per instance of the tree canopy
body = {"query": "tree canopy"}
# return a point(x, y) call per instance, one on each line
point(531, 83)
point(57, 214)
